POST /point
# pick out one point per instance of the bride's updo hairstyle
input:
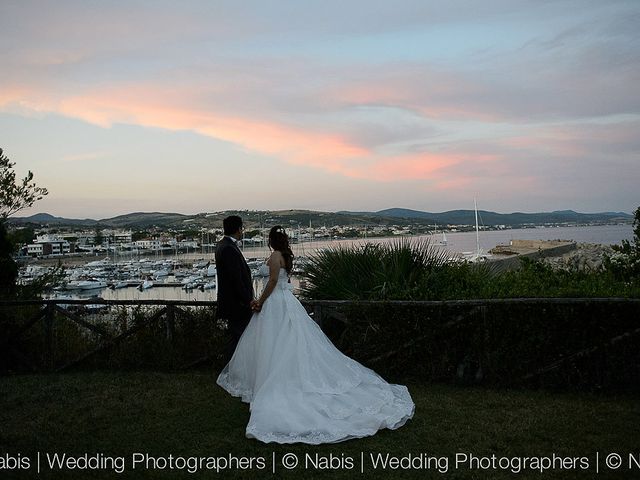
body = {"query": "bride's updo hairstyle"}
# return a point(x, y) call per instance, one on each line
point(278, 240)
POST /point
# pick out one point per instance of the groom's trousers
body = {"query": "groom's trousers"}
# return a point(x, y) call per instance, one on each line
point(236, 326)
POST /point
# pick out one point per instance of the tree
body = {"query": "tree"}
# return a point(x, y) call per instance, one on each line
point(630, 248)
point(141, 235)
point(8, 268)
point(98, 238)
point(21, 236)
point(625, 263)
point(15, 196)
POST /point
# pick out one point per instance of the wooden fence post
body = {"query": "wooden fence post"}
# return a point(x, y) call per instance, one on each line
point(48, 336)
point(171, 322)
point(483, 354)
point(317, 315)
point(170, 317)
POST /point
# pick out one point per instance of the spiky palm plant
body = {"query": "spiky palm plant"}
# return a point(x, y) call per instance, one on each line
point(369, 271)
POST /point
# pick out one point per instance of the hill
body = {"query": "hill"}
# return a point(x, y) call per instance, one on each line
point(147, 219)
point(294, 218)
point(467, 217)
point(47, 219)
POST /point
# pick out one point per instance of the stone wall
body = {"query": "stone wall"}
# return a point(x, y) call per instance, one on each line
point(572, 257)
point(586, 257)
point(533, 249)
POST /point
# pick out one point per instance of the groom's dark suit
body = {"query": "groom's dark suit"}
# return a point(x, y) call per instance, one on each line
point(235, 290)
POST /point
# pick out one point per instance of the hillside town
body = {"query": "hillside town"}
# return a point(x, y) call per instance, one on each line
point(43, 241)
point(57, 242)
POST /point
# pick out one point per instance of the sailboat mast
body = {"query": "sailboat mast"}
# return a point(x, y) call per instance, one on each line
point(475, 207)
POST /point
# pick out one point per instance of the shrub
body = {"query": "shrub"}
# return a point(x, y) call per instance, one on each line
point(408, 270)
point(369, 271)
point(625, 262)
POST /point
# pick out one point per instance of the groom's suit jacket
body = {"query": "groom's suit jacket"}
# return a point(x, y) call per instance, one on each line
point(235, 288)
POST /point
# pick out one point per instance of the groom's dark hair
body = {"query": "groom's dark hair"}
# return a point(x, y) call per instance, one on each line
point(231, 224)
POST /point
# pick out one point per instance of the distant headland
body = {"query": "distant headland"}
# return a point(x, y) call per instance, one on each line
point(392, 216)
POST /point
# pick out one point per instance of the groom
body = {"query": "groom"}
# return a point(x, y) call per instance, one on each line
point(235, 288)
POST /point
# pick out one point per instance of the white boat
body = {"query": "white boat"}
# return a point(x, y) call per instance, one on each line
point(209, 286)
point(478, 255)
point(211, 271)
point(160, 273)
point(191, 279)
point(145, 285)
point(299, 264)
point(260, 272)
point(475, 257)
point(90, 284)
point(254, 263)
point(121, 285)
point(98, 263)
point(443, 241)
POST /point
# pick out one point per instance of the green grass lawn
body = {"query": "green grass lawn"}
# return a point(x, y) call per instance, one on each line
point(118, 414)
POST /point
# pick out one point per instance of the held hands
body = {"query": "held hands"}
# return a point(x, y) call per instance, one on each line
point(256, 306)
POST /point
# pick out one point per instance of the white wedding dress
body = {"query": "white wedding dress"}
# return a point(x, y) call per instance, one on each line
point(300, 387)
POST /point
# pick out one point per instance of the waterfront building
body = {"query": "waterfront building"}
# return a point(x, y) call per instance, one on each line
point(49, 245)
point(149, 244)
point(118, 237)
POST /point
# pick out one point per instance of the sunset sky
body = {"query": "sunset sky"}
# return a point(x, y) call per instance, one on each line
point(195, 106)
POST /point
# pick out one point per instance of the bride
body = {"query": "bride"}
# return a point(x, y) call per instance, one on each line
point(300, 387)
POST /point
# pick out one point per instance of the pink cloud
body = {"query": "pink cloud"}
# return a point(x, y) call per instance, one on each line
point(11, 95)
point(410, 167)
point(171, 109)
point(144, 107)
point(153, 106)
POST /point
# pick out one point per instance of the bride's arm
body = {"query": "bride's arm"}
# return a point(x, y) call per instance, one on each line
point(274, 272)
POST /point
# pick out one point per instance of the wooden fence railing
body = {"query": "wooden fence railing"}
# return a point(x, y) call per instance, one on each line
point(48, 310)
point(31, 335)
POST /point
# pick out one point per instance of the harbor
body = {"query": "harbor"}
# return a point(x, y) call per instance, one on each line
point(192, 276)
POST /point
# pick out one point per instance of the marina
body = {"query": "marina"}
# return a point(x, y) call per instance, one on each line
point(192, 276)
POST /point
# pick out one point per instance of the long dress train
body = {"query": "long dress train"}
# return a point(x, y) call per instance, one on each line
point(300, 387)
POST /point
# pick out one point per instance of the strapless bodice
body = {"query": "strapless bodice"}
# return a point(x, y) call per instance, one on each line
point(283, 278)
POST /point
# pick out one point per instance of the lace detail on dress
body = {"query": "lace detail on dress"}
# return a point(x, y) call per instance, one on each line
point(235, 389)
point(402, 406)
point(300, 387)
point(313, 438)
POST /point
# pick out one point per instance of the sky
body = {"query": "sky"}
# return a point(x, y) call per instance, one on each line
point(202, 106)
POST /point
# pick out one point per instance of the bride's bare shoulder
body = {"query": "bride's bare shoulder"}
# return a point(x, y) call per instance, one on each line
point(276, 257)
